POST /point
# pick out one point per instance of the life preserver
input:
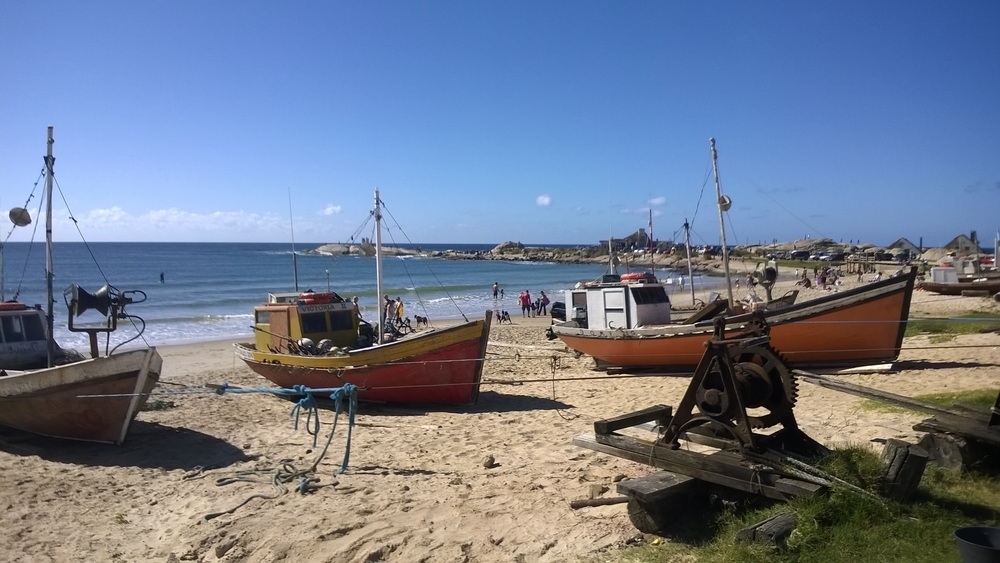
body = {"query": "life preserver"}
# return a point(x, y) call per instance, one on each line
point(12, 306)
point(633, 276)
point(316, 298)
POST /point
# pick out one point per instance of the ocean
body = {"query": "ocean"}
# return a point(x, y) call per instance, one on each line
point(209, 290)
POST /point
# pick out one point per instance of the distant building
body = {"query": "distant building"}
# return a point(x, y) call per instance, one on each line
point(963, 245)
point(635, 241)
point(906, 246)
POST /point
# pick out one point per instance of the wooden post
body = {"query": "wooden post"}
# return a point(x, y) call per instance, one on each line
point(904, 466)
point(772, 531)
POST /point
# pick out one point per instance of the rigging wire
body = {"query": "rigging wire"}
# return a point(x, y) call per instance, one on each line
point(412, 283)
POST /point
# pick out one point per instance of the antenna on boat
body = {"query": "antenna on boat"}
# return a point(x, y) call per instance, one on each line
point(652, 267)
point(377, 212)
point(50, 162)
point(291, 223)
point(687, 246)
point(724, 203)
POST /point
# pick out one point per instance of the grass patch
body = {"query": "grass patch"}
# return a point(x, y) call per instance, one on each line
point(158, 405)
point(971, 322)
point(981, 399)
point(846, 526)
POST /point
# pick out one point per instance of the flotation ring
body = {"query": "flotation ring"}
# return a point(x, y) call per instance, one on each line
point(314, 298)
point(12, 306)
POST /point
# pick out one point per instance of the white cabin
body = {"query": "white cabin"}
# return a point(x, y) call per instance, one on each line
point(618, 305)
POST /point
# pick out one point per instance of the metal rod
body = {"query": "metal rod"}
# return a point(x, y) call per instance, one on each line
point(50, 162)
point(722, 224)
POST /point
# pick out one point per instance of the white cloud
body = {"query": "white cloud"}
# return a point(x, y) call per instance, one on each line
point(543, 200)
point(657, 201)
point(331, 210)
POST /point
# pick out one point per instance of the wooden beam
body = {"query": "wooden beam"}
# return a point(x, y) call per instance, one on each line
point(722, 468)
point(659, 414)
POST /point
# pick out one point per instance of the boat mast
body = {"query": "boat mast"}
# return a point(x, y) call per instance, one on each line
point(291, 223)
point(50, 162)
point(652, 267)
point(723, 204)
point(687, 246)
point(378, 268)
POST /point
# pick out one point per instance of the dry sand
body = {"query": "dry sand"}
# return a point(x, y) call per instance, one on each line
point(416, 488)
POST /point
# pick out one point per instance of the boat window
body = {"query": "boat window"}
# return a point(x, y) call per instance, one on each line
point(649, 295)
point(313, 323)
point(33, 327)
point(13, 330)
point(263, 317)
point(341, 320)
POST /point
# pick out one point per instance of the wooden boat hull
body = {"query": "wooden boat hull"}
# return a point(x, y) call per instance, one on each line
point(989, 285)
point(856, 327)
point(52, 401)
point(439, 366)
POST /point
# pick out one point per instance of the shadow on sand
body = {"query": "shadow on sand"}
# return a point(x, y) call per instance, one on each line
point(148, 445)
point(489, 401)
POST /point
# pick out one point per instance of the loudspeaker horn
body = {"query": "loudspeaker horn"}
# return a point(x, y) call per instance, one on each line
point(100, 301)
point(20, 217)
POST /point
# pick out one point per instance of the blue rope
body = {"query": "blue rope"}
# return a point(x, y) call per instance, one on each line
point(308, 403)
point(348, 393)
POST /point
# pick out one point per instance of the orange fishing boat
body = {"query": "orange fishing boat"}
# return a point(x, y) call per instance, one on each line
point(855, 327)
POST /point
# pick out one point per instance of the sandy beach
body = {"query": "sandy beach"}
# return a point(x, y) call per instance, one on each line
point(417, 487)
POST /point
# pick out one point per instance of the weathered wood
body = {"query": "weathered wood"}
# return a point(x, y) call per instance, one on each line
point(962, 426)
point(946, 451)
point(656, 486)
point(659, 414)
point(586, 502)
point(903, 466)
point(646, 518)
point(995, 409)
point(722, 468)
point(772, 531)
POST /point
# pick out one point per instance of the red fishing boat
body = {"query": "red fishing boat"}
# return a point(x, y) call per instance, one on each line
point(319, 340)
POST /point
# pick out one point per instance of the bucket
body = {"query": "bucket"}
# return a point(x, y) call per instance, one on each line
point(978, 544)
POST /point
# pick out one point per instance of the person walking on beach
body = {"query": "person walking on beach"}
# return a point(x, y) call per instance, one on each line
point(501, 293)
point(389, 310)
point(357, 308)
point(543, 304)
point(399, 310)
point(496, 290)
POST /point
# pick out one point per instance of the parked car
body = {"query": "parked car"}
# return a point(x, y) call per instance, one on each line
point(558, 310)
point(834, 257)
point(799, 255)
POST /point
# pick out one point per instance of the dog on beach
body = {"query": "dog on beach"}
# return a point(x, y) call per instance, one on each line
point(504, 316)
point(421, 320)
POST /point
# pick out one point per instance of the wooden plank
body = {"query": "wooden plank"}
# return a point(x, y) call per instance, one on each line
point(722, 468)
point(656, 486)
point(961, 426)
point(659, 414)
point(772, 531)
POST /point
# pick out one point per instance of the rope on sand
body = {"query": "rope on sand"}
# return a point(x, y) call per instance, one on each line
point(287, 473)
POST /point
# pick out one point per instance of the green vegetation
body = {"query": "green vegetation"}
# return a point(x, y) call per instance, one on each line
point(971, 322)
point(981, 399)
point(847, 526)
point(158, 405)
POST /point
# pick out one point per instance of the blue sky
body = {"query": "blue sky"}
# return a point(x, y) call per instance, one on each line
point(481, 122)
